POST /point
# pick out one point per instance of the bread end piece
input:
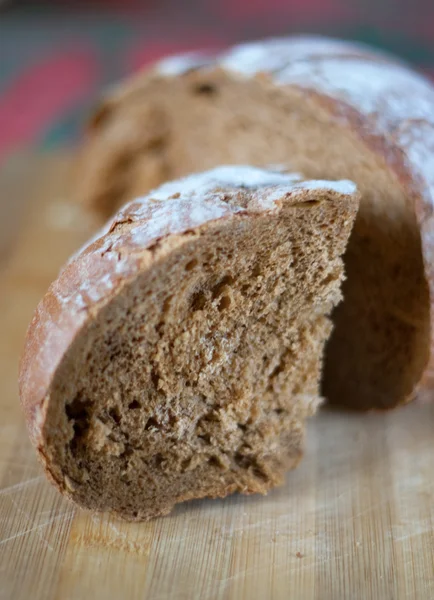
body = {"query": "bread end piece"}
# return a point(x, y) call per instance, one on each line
point(179, 355)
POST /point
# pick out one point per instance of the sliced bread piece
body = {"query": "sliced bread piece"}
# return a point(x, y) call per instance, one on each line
point(178, 355)
point(330, 110)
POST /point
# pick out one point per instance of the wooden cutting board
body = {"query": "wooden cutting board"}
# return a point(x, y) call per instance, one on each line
point(355, 521)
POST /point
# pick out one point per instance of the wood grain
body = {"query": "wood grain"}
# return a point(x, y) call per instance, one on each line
point(355, 521)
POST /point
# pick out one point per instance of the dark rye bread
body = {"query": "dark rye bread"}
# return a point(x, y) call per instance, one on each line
point(179, 354)
point(330, 110)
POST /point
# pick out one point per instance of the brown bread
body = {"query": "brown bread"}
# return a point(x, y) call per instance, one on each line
point(331, 110)
point(179, 355)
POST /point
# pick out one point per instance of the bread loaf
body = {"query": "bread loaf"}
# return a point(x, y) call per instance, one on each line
point(329, 109)
point(178, 355)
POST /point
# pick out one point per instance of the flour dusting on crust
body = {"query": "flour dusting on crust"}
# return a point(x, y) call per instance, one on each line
point(179, 64)
point(271, 55)
point(203, 197)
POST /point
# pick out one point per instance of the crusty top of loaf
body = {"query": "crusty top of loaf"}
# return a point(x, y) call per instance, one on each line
point(388, 104)
point(378, 96)
point(398, 102)
point(140, 234)
point(199, 198)
point(269, 55)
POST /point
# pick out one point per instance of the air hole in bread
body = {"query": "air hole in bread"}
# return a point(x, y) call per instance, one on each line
point(224, 303)
point(277, 370)
point(256, 271)
point(166, 304)
point(214, 461)
point(134, 405)
point(198, 301)
point(205, 89)
point(115, 414)
point(78, 409)
point(191, 264)
point(225, 283)
point(250, 463)
point(152, 423)
point(154, 378)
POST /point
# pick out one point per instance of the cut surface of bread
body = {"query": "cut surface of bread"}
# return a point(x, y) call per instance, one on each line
point(329, 110)
point(179, 355)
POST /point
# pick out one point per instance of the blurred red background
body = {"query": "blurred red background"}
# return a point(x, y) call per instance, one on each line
point(55, 57)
